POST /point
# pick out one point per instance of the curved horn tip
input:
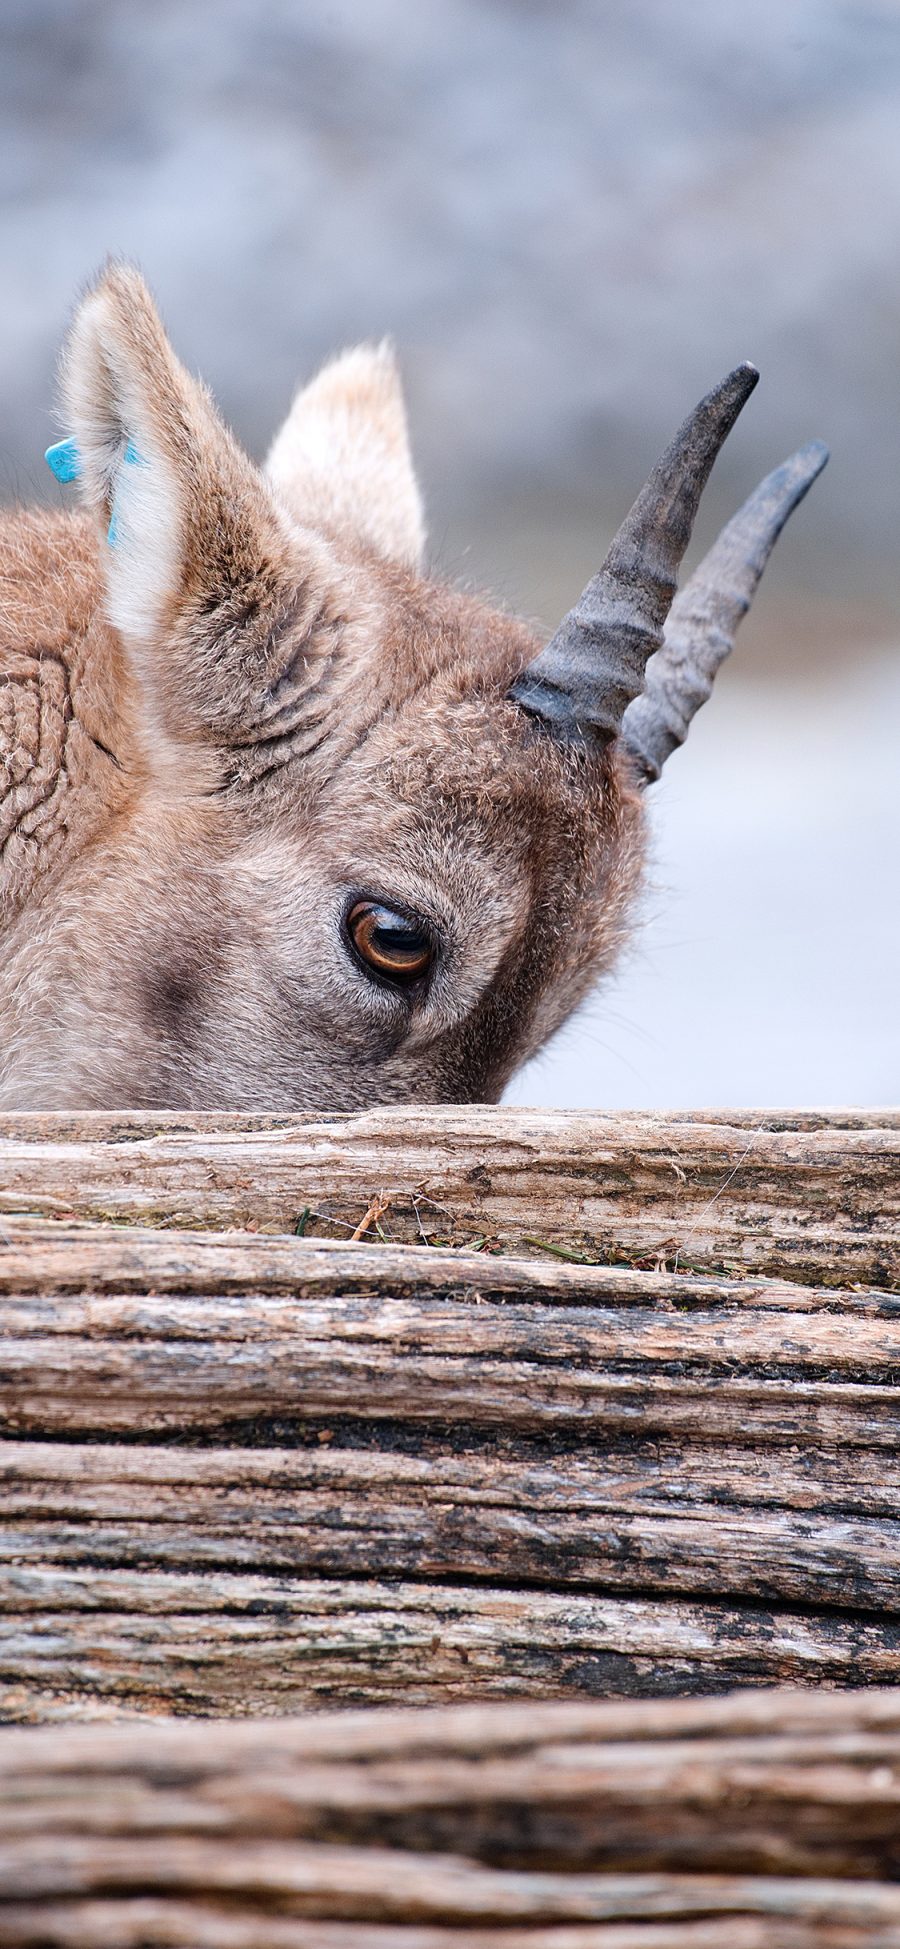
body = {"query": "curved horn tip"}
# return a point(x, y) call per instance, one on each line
point(741, 380)
point(593, 668)
point(807, 463)
point(746, 370)
point(755, 528)
point(787, 484)
point(706, 614)
point(817, 451)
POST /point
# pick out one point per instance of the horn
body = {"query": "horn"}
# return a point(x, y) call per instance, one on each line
point(583, 682)
point(703, 622)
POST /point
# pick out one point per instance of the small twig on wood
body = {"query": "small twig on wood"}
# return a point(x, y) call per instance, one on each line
point(723, 1187)
point(376, 1210)
point(421, 1229)
point(559, 1251)
point(430, 1238)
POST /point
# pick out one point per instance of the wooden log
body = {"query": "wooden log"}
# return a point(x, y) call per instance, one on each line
point(303, 1472)
point(449, 1339)
point(55, 1257)
point(358, 1513)
point(772, 1817)
point(88, 1642)
point(816, 1197)
point(241, 1474)
point(147, 1923)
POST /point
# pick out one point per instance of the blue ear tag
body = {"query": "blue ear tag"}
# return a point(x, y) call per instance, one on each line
point(64, 460)
point(132, 459)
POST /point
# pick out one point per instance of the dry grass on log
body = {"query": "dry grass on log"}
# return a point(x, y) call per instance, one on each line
point(809, 1196)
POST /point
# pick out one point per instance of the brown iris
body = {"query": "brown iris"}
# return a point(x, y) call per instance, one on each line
point(393, 945)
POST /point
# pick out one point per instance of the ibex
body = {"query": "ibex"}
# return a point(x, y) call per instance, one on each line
point(283, 823)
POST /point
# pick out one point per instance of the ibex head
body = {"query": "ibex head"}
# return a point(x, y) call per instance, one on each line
point(363, 839)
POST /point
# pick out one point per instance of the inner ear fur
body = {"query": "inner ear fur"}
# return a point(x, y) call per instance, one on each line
point(198, 561)
point(342, 459)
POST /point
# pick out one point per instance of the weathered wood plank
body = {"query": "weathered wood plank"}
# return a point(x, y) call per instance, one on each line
point(246, 1474)
point(816, 1198)
point(150, 1923)
point(489, 1823)
point(394, 1336)
point(43, 1261)
point(164, 1484)
point(383, 1885)
point(610, 1521)
point(372, 1886)
point(59, 1386)
point(582, 1478)
point(91, 1642)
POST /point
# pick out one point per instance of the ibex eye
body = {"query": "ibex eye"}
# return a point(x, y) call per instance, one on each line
point(391, 944)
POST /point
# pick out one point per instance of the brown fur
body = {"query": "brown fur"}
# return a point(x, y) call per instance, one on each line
point(281, 715)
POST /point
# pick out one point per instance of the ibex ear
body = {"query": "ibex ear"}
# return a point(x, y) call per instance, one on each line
point(191, 534)
point(342, 459)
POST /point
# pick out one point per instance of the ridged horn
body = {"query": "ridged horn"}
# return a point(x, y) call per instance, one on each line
point(582, 683)
point(704, 618)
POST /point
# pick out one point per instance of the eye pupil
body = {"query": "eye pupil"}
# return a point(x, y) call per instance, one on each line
point(391, 943)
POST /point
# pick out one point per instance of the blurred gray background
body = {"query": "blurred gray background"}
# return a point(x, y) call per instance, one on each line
point(572, 218)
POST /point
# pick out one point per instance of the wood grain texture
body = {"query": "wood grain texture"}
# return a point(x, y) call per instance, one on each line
point(770, 1817)
point(147, 1923)
point(244, 1473)
point(358, 1513)
point(150, 1923)
point(91, 1643)
point(809, 1196)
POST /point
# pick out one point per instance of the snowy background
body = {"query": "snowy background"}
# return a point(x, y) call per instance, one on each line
point(572, 218)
